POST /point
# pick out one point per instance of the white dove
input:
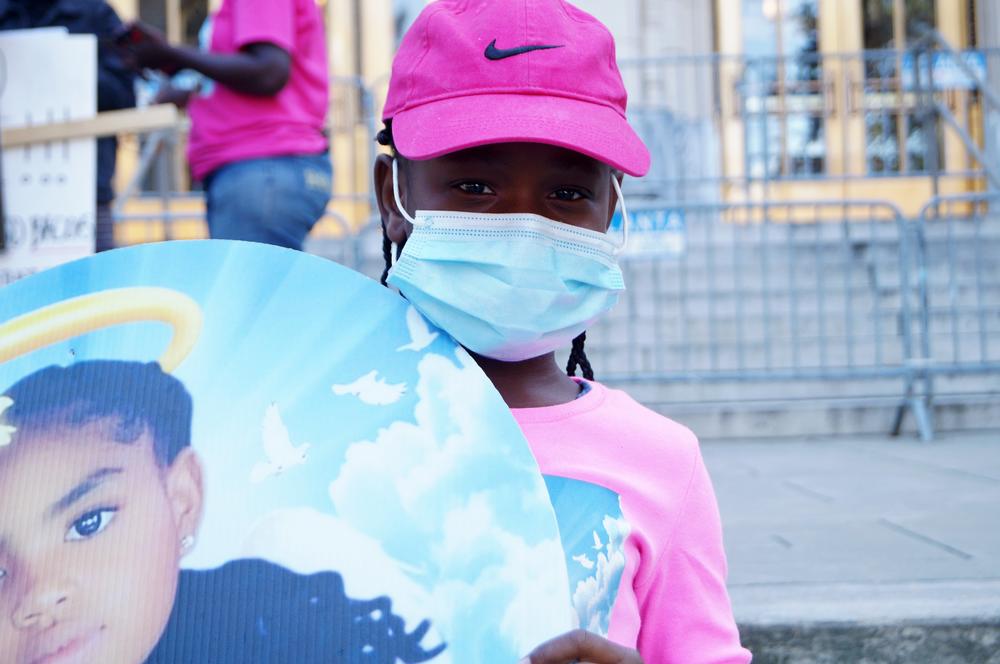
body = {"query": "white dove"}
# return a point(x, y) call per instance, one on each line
point(6, 431)
point(281, 454)
point(597, 542)
point(584, 561)
point(420, 333)
point(372, 390)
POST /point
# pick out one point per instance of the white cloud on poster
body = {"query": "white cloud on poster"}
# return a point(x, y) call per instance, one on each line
point(449, 488)
point(507, 568)
point(595, 596)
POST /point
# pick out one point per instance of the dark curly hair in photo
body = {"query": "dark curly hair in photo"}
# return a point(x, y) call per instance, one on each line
point(256, 612)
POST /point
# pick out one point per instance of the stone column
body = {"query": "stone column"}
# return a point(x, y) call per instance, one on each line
point(988, 36)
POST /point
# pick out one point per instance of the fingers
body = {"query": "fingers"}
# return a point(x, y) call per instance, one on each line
point(581, 646)
point(143, 46)
point(171, 95)
point(139, 32)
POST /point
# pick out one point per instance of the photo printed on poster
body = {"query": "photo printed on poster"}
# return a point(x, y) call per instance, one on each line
point(230, 452)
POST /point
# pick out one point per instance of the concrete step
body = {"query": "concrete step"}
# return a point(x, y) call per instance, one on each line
point(863, 549)
point(948, 642)
point(713, 394)
point(650, 362)
point(936, 622)
point(759, 339)
point(693, 280)
point(811, 407)
point(851, 416)
point(755, 340)
point(743, 321)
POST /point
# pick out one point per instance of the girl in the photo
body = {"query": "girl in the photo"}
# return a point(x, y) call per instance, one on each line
point(101, 497)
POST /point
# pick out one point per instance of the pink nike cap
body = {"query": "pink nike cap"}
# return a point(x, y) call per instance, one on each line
point(475, 72)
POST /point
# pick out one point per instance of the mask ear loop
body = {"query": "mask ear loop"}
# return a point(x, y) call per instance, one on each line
point(625, 220)
point(395, 192)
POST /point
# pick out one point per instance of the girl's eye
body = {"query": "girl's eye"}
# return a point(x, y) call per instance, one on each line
point(566, 194)
point(476, 188)
point(90, 524)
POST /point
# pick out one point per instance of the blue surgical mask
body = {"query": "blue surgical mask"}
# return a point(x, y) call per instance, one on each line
point(507, 286)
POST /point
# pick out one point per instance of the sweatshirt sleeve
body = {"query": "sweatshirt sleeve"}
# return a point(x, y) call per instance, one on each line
point(686, 614)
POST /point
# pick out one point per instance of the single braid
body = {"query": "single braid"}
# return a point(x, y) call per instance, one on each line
point(577, 357)
point(386, 256)
point(384, 138)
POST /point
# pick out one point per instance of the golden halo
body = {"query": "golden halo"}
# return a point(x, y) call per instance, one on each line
point(80, 315)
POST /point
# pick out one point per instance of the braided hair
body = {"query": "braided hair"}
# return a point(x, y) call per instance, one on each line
point(384, 138)
point(577, 355)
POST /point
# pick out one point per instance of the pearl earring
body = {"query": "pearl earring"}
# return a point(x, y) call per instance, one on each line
point(187, 542)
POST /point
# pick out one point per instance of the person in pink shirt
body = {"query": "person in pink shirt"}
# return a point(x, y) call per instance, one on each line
point(507, 127)
point(257, 140)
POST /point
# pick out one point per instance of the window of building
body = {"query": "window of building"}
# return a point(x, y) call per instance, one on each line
point(897, 140)
point(782, 89)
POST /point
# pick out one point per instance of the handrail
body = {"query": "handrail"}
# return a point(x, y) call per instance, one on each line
point(929, 42)
point(942, 111)
point(108, 123)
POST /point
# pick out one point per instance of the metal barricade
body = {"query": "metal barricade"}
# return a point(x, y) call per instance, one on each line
point(803, 291)
point(957, 267)
point(780, 281)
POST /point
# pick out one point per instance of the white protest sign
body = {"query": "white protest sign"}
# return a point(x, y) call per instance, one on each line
point(48, 188)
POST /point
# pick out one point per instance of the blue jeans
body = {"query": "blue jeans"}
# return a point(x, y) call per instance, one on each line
point(274, 200)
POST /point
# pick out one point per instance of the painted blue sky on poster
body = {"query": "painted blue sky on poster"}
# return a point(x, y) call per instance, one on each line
point(593, 532)
point(411, 481)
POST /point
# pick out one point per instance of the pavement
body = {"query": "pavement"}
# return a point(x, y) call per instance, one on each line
point(867, 549)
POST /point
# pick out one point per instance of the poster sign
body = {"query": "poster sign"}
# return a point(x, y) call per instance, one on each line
point(48, 188)
point(950, 71)
point(229, 452)
point(654, 231)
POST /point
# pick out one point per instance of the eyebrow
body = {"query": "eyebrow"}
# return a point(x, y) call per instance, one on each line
point(91, 482)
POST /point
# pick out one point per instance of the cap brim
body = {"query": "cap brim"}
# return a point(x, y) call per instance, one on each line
point(437, 128)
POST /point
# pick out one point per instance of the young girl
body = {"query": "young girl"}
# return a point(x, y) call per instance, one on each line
point(507, 124)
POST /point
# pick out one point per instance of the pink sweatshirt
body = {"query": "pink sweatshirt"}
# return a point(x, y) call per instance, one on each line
point(228, 126)
point(671, 600)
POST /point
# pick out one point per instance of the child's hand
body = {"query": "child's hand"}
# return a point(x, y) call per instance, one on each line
point(145, 47)
point(581, 646)
point(171, 95)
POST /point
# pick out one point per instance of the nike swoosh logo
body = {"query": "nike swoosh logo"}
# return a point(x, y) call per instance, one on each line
point(494, 53)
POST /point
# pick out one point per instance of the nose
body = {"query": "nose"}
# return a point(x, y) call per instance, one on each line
point(41, 607)
point(521, 198)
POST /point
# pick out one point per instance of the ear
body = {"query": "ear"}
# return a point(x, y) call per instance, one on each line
point(613, 198)
point(396, 226)
point(186, 493)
